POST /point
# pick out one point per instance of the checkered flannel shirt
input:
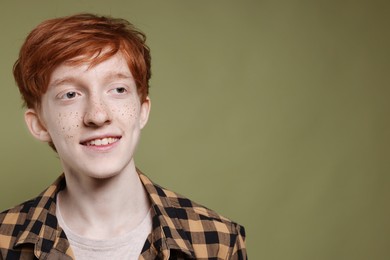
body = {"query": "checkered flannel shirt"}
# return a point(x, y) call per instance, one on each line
point(182, 229)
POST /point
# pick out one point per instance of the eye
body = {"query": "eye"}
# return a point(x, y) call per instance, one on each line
point(120, 90)
point(69, 95)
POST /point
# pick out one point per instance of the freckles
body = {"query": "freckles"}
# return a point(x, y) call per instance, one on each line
point(77, 118)
point(67, 123)
point(127, 111)
point(132, 110)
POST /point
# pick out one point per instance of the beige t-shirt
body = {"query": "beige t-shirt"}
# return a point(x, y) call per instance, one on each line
point(127, 246)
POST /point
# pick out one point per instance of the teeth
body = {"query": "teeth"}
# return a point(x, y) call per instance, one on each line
point(104, 141)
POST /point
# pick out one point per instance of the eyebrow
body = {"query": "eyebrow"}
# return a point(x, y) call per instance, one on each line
point(62, 81)
point(107, 77)
point(117, 75)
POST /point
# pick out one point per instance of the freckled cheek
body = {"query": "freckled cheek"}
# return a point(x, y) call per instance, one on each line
point(68, 124)
point(127, 112)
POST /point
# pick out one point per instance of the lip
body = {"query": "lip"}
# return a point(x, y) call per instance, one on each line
point(102, 147)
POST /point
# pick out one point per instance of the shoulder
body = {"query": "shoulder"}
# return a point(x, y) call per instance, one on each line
point(12, 223)
point(14, 217)
point(187, 209)
point(207, 230)
point(193, 228)
point(175, 205)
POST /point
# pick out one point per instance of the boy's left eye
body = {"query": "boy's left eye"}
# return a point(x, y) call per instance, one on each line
point(120, 90)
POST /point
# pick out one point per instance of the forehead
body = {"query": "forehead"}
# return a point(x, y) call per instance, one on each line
point(113, 67)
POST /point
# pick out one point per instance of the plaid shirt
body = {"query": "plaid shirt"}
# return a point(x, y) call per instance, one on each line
point(182, 229)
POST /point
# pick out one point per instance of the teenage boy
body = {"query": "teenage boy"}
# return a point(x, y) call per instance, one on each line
point(84, 80)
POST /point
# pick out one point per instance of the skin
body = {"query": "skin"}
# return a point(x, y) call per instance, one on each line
point(83, 108)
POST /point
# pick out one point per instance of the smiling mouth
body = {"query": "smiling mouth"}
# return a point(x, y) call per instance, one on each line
point(101, 141)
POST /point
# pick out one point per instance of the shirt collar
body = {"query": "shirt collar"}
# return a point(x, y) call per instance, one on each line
point(40, 226)
point(168, 233)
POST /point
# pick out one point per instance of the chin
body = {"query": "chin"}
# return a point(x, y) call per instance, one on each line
point(101, 173)
point(101, 168)
point(102, 176)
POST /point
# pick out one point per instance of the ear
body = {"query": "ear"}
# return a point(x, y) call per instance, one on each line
point(36, 127)
point(144, 113)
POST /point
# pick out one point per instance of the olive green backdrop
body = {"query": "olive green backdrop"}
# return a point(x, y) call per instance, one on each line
point(273, 113)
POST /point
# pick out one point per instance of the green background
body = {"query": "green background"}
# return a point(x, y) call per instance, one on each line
point(273, 113)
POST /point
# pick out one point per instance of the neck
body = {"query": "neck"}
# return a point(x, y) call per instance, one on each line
point(89, 204)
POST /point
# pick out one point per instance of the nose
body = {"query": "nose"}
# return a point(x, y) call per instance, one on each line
point(97, 113)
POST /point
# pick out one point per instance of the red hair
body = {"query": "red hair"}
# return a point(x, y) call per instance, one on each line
point(77, 39)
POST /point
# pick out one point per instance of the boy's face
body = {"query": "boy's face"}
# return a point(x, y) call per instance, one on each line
point(93, 116)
